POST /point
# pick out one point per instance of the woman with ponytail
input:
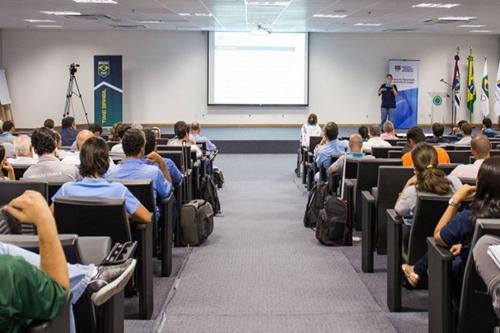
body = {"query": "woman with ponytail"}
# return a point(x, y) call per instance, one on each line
point(310, 128)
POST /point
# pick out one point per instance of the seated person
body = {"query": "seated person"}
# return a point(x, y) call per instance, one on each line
point(375, 140)
point(363, 131)
point(40, 283)
point(113, 132)
point(428, 178)
point(480, 149)
point(310, 128)
point(133, 167)
point(49, 168)
point(7, 169)
point(74, 159)
point(456, 228)
point(120, 131)
point(197, 137)
point(150, 147)
point(68, 131)
point(437, 131)
point(94, 163)
point(355, 151)
point(23, 151)
point(457, 130)
point(49, 123)
point(8, 129)
point(466, 135)
point(487, 128)
point(414, 136)
point(332, 146)
point(96, 129)
point(488, 269)
point(181, 130)
point(60, 152)
point(388, 131)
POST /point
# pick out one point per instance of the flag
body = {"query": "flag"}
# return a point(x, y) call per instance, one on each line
point(456, 85)
point(485, 91)
point(497, 93)
point(471, 88)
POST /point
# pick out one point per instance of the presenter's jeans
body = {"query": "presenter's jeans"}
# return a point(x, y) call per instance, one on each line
point(387, 114)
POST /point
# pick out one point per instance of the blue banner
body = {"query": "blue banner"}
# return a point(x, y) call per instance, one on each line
point(405, 74)
point(108, 90)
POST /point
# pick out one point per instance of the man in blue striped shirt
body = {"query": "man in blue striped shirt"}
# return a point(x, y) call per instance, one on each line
point(333, 146)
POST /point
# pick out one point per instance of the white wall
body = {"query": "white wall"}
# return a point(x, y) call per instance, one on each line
point(165, 74)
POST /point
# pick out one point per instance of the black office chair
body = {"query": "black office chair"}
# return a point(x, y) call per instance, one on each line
point(19, 170)
point(383, 152)
point(395, 154)
point(448, 167)
point(108, 217)
point(53, 187)
point(459, 156)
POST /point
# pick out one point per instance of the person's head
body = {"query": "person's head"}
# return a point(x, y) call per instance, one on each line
point(429, 177)
point(331, 131)
point(414, 136)
point(94, 157)
point(437, 130)
point(312, 119)
point(487, 123)
point(133, 143)
point(374, 131)
point(49, 123)
point(181, 130)
point(461, 123)
point(96, 129)
point(156, 131)
point(122, 128)
point(150, 136)
point(363, 131)
point(355, 143)
point(22, 146)
point(43, 141)
point(82, 136)
point(8, 126)
point(486, 201)
point(467, 129)
point(195, 128)
point(113, 132)
point(389, 127)
point(480, 147)
point(68, 122)
point(58, 139)
point(388, 79)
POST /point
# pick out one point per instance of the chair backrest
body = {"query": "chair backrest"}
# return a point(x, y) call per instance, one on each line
point(162, 141)
point(142, 189)
point(452, 138)
point(176, 156)
point(53, 187)
point(476, 312)
point(448, 167)
point(93, 217)
point(395, 154)
point(167, 135)
point(459, 156)
point(383, 152)
point(313, 142)
point(428, 211)
point(112, 143)
point(12, 189)
point(495, 152)
point(19, 170)
point(351, 168)
point(393, 142)
point(390, 182)
point(186, 152)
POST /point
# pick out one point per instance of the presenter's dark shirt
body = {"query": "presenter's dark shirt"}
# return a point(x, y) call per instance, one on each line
point(388, 98)
point(68, 136)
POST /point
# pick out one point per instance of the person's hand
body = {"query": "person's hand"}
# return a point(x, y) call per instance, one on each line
point(154, 157)
point(323, 141)
point(463, 193)
point(382, 89)
point(7, 166)
point(456, 249)
point(412, 181)
point(30, 207)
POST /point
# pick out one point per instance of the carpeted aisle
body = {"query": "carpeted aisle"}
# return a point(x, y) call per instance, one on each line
point(261, 271)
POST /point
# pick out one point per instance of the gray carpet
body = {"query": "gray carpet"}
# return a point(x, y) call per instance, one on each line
point(262, 271)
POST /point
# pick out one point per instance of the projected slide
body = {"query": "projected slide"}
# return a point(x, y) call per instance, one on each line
point(251, 69)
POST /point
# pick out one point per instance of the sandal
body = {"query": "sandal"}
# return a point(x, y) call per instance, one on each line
point(412, 277)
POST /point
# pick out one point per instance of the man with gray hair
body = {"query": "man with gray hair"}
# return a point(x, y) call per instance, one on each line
point(74, 159)
point(23, 151)
point(480, 149)
point(355, 151)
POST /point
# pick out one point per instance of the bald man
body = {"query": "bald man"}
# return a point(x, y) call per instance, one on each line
point(355, 151)
point(480, 148)
point(80, 139)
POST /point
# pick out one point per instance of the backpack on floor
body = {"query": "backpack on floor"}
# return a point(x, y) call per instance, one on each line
point(208, 191)
point(218, 177)
point(197, 222)
point(315, 202)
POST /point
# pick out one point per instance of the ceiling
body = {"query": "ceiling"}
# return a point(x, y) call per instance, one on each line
point(245, 15)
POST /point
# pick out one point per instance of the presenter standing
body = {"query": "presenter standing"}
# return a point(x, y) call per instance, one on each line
point(388, 91)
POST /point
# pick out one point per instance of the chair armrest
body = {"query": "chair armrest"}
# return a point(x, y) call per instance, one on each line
point(60, 324)
point(94, 249)
point(166, 222)
point(368, 231)
point(144, 236)
point(394, 260)
point(440, 288)
point(375, 193)
point(31, 241)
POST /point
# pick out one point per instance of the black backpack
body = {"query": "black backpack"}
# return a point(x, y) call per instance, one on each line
point(315, 203)
point(218, 177)
point(208, 191)
point(332, 228)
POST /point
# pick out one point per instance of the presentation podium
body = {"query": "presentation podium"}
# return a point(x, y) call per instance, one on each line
point(440, 108)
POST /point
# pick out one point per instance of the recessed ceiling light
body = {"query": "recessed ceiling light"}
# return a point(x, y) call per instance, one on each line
point(184, 14)
point(151, 22)
point(481, 31)
point(457, 18)
point(96, 1)
point(39, 21)
point(368, 24)
point(436, 5)
point(268, 3)
point(471, 26)
point(48, 26)
point(60, 13)
point(330, 15)
point(203, 14)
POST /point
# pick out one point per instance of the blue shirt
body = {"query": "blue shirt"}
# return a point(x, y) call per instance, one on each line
point(99, 188)
point(6, 137)
point(490, 133)
point(210, 145)
point(68, 136)
point(334, 147)
point(134, 168)
point(172, 169)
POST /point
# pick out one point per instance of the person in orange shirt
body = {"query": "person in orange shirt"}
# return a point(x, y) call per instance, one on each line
point(413, 137)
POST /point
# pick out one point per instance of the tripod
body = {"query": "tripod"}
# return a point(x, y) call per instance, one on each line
point(73, 82)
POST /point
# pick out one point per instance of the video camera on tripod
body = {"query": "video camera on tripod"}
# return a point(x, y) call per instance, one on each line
point(73, 68)
point(73, 83)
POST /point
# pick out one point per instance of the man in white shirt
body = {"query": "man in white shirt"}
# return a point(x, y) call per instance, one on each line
point(375, 140)
point(23, 151)
point(122, 128)
point(467, 131)
point(74, 159)
point(355, 145)
point(480, 148)
point(181, 130)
